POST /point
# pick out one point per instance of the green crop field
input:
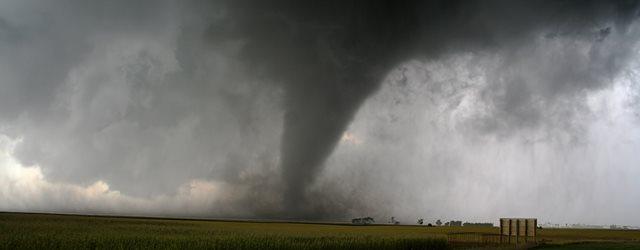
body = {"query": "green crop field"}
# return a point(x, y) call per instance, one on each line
point(46, 231)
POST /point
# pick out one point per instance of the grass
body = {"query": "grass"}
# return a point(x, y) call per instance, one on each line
point(592, 246)
point(38, 231)
point(47, 231)
point(572, 235)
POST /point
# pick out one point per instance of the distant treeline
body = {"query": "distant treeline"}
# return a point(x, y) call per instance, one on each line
point(363, 221)
point(453, 223)
point(457, 223)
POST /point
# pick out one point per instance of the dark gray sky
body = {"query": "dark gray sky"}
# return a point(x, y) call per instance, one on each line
point(467, 110)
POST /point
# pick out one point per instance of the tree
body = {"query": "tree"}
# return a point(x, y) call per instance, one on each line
point(369, 220)
point(394, 221)
point(438, 222)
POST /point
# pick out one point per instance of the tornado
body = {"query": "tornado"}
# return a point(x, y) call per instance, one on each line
point(328, 57)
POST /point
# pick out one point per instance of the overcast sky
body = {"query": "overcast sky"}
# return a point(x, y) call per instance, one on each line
point(469, 110)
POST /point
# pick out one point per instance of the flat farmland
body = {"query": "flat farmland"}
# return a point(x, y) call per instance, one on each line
point(50, 231)
point(40, 231)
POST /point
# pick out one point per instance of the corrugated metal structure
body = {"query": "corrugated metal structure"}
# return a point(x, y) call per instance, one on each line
point(518, 227)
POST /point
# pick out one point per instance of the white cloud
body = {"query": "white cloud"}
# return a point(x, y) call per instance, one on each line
point(25, 188)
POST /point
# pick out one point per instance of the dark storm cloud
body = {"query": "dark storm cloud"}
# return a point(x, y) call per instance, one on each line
point(330, 56)
point(148, 95)
point(131, 92)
